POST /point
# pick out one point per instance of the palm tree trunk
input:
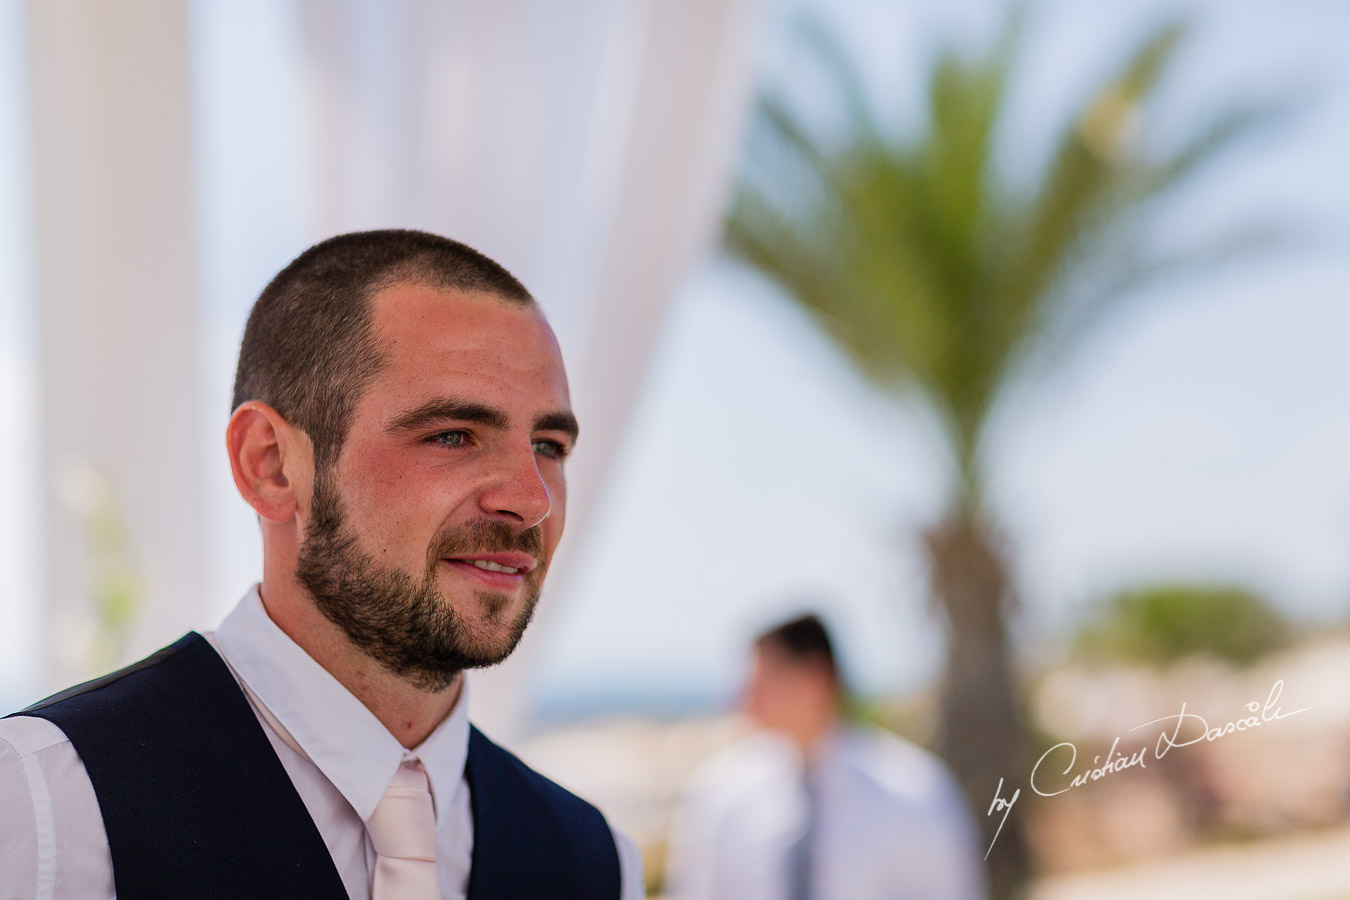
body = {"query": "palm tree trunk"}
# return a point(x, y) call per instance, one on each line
point(980, 732)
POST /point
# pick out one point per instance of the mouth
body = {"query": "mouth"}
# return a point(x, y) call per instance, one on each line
point(497, 570)
point(490, 566)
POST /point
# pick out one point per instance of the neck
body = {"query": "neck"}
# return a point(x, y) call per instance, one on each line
point(408, 712)
point(809, 724)
point(810, 737)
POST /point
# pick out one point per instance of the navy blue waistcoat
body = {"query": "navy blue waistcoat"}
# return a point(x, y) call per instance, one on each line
point(196, 803)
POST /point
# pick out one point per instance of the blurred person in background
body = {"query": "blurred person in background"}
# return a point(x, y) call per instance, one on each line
point(813, 807)
point(401, 421)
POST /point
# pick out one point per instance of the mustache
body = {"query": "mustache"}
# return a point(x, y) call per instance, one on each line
point(490, 536)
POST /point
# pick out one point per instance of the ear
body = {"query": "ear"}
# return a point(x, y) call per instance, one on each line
point(271, 461)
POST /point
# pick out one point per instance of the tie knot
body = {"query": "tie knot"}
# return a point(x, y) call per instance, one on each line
point(403, 825)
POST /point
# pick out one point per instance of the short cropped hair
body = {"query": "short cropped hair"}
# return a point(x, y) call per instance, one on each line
point(802, 640)
point(308, 349)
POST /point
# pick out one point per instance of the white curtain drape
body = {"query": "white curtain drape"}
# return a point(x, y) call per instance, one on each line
point(113, 270)
point(586, 146)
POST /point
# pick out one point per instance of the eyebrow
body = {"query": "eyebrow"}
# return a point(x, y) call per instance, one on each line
point(559, 421)
point(449, 409)
point(443, 408)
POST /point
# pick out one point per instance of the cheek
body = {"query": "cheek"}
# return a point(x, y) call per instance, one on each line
point(557, 517)
point(760, 699)
point(388, 491)
point(753, 701)
point(371, 467)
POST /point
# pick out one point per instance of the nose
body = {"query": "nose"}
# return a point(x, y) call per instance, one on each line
point(517, 491)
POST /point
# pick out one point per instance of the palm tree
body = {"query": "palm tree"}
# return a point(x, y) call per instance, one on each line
point(936, 276)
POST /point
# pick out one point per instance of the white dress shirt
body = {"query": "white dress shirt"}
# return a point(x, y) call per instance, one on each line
point(890, 823)
point(52, 841)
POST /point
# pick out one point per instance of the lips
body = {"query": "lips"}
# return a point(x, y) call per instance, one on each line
point(514, 563)
point(491, 566)
point(499, 570)
point(491, 554)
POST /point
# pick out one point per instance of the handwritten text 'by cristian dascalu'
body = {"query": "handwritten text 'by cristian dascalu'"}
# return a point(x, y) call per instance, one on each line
point(1051, 774)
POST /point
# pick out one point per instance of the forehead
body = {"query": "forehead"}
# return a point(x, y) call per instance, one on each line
point(766, 659)
point(772, 660)
point(439, 341)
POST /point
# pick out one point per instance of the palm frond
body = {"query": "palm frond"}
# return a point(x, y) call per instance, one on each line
point(1090, 153)
point(917, 262)
point(1238, 246)
point(837, 65)
point(1228, 129)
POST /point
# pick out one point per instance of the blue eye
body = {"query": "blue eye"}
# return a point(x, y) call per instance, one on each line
point(451, 438)
point(550, 449)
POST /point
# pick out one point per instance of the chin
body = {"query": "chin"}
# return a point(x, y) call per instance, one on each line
point(496, 626)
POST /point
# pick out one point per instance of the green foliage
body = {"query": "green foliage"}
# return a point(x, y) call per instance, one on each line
point(1167, 623)
point(930, 271)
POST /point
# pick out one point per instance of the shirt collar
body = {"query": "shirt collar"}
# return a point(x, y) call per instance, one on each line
point(333, 728)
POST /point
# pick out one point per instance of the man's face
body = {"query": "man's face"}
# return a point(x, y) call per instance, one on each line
point(782, 693)
point(429, 538)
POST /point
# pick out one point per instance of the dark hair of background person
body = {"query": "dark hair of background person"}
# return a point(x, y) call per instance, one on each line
point(308, 351)
point(802, 640)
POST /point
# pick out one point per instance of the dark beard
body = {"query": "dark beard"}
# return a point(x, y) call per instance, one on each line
point(411, 629)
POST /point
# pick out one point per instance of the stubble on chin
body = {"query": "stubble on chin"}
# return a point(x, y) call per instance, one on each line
point(413, 629)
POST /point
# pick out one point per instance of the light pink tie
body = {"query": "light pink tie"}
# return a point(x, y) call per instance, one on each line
point(403, 832)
